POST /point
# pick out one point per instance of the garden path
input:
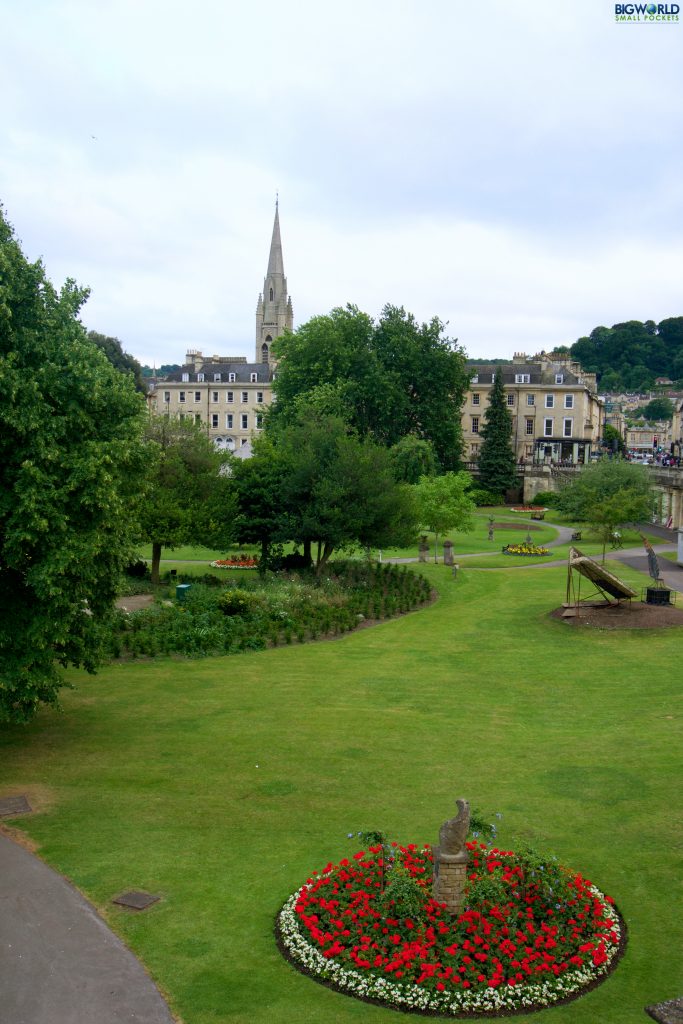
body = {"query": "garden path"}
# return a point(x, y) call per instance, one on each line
point(59, 962)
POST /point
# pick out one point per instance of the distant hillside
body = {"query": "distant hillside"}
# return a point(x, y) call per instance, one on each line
point(630, 356)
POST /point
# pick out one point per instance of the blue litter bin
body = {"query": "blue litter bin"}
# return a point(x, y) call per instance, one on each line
point(181, 591)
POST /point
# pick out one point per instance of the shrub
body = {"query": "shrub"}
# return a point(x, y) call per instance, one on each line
point(547, 499)
point(237, 601)
point(480, 496)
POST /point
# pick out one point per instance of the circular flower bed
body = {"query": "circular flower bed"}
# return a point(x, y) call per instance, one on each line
point(532, 933)
point(524, 549)
point(241, 562)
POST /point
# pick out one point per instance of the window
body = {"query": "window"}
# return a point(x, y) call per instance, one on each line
point(529, 451)
point(259, 420)
point(229, 396)
point(214, 396)
point(474, 451)
point(531, 399)
point(475, 424)
point(271, 294)
point(550, 401)
point(243, 441)
point(522, 378)
point(511, 399)
point(245, 421)
point(569, 401)
point(167, 397)
point(197, 396)
point(214, 419)
point(259, 397)
point(567, 426)
point(548, 428)
point(216, 378)
point(253, 377)
point(475, 399)
point(245, 396)
point(559, 378)
point(185, 378)
point(228, 421)
point(200, 378)
point(181, 396)
point(530, 426)
point(231, 378)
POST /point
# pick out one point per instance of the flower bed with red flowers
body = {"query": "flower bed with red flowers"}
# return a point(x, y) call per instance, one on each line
point(236, 562)
point(531, 933)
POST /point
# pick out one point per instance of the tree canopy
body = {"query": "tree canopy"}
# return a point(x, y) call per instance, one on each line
point(631, 355)
point(316, 483)
point(386, 379)
point(496, 462)
point(189, 498)
point(599, 483)
point(656, 409)
point(443, 504)
point(124, 362)
point(71, 470)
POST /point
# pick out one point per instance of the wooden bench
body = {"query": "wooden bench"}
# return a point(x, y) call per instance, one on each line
point(538, 515)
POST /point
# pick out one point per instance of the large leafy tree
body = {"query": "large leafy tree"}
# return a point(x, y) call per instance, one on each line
point(632, 354)
point(316, 483)
point(497, 469)
point(113, 350)
point(386, 379)
point(443, 504)
point(598, 485)
point(71, 472)
point(190, 496)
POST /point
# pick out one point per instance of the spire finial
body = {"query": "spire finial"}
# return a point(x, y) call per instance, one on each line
point(277, 199)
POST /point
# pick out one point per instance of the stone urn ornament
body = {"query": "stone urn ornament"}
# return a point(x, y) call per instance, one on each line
point(450, 859)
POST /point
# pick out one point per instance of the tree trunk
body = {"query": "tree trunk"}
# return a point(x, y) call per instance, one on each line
point(156, 559)
point(307, 552)
point(263, 560)
point(322, 562)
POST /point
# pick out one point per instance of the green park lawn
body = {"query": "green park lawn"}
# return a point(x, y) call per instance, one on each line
point(221, 783)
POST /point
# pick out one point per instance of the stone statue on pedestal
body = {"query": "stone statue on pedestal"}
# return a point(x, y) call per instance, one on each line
point(450, 859)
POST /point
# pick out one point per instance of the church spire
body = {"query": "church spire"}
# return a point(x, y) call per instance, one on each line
point(274, 308)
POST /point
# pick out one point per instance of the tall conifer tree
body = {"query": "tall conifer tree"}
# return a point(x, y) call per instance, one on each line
point(497, 463)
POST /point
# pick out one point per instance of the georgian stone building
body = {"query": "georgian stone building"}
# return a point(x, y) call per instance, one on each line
point(227, 394)
point(556, 413)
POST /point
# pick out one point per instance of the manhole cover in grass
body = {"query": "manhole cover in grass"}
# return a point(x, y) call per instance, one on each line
point(10, 805)
point(670, 1012)
point(136, 900)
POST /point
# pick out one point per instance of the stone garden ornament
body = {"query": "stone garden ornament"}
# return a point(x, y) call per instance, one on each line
point(450, 859)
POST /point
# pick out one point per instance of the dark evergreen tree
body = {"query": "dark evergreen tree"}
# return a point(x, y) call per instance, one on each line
point(497, 464)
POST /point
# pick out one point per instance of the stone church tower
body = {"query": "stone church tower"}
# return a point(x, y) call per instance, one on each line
point(274, 308)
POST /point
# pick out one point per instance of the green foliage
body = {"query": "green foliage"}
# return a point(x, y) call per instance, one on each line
point(629, 356)
point(71, 472)
point(546, 499)
point(238, 601)
point(444, 504)
point(614, 439)
point(190, 499)
point(413, 457)
point(388, 379)
point(656, 409)
point(124, 362)
point(255, 613)
point(482, 497)
point(599, 483)
point(403, 898)
point(314, 481)
point(496, 462)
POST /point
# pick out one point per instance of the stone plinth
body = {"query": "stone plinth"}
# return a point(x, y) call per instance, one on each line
point(450, 876)
point(448, 552)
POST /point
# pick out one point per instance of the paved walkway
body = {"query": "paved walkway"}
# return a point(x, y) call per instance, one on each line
point(59, 962)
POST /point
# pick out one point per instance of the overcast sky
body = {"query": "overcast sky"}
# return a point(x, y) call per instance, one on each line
point(512, 168)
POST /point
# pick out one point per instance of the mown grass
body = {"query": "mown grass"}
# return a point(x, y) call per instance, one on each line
point(221, 783)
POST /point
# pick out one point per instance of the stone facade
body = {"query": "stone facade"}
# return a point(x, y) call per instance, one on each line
point(557, 415)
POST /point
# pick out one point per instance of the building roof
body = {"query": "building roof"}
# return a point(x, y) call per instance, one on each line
point(241, 370)
point(539, 373)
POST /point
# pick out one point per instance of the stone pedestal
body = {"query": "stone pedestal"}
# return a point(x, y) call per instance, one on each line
point(423, 549)
point(450, 875)
point(448, 552)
